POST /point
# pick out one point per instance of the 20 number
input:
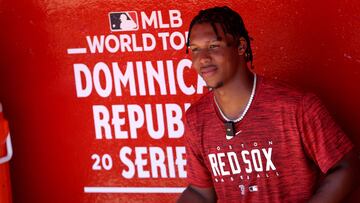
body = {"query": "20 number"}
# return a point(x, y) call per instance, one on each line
point(102, 162)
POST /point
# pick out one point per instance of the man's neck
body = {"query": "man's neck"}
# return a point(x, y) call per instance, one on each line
point(234, 96)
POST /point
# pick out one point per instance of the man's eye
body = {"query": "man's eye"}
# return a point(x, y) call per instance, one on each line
point(213, 46)
point(194, 49)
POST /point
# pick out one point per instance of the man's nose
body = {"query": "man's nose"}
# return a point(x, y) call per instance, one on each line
point(204, 56)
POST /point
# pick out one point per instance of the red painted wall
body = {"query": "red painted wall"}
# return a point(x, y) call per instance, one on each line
point(312, 45)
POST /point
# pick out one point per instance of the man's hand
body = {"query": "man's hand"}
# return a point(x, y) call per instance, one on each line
point(195, 194)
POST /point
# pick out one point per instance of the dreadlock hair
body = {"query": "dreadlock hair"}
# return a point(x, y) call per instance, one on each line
point(229, 20)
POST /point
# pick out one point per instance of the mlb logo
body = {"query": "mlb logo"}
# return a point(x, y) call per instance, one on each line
point(124, 21)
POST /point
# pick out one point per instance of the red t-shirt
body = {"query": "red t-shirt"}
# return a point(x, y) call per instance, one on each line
point(287, 142)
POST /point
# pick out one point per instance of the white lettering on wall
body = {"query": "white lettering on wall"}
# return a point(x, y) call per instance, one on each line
point(105, 80)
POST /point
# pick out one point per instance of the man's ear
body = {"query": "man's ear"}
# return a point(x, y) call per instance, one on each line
point(242, 46)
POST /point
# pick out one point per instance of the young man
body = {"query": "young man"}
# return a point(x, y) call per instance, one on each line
point(251, 139)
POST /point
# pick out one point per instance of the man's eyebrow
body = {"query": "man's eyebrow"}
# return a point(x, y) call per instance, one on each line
point(216, 39)
point(212, 40)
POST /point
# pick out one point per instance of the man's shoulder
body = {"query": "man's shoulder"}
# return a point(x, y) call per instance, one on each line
point(280, 91)
point(200, 107)
point(196, 115)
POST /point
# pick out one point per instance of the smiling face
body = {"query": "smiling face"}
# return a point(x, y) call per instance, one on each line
point(215, 57)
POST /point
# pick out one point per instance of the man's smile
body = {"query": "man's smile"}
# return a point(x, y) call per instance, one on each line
point(208, 70)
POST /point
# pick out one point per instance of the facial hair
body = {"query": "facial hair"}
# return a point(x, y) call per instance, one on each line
point(218, 85)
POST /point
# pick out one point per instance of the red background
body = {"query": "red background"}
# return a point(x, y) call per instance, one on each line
point(310, 44)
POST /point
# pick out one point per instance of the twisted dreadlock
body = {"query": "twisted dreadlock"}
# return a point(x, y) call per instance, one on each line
point(229, 20)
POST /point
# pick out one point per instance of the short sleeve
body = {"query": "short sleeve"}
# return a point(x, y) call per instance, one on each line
point(323, 139)
point(197, 172)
